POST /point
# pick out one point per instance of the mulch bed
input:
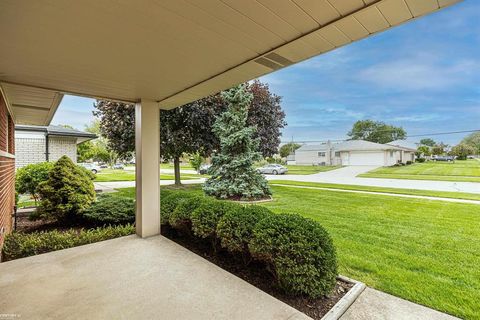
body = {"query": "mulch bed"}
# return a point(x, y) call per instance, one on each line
point(256, 274)
point(24, 224)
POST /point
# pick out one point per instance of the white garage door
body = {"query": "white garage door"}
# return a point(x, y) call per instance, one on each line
point(367, 158)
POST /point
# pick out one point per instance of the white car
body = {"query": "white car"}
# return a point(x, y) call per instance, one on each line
point(273, 169)
point(91, 167)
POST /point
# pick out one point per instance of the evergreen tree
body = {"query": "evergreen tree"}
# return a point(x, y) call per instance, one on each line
point(68, 191)
point(233, 174)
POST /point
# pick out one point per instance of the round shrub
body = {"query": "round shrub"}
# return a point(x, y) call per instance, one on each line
point(68, 191)
point(235, 228)
point(29, 177)
point(181, 216)
point(169, 203)
point(111, 209)
point(205, 218)
point(299, 251)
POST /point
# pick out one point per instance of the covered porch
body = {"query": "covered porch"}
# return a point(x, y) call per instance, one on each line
point(131, 278)
point(157, 55)
point(155, 278)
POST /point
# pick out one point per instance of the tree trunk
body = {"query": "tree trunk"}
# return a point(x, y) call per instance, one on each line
point(176, 167)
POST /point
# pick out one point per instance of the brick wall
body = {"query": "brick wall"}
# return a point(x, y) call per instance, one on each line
point(29, 150)
point(7, 171)
point(60, 146)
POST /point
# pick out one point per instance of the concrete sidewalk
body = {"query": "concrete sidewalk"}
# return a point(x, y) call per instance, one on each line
point(110, 186)
point(348, 175)
point(382, 193)
point(376, 305)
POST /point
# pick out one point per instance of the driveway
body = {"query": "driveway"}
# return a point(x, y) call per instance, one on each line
point(348, 175)
point(345, 175)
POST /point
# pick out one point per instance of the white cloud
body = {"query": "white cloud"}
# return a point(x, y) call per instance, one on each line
point(420, 72)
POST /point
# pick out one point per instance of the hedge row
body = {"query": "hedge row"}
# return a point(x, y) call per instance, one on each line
point(19, 245)
point(298, 251)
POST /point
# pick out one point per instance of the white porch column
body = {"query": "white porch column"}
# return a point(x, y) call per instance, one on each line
point(147, 168)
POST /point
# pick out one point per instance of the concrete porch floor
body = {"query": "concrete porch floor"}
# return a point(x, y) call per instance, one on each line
point(154, 278)
point(131, 278)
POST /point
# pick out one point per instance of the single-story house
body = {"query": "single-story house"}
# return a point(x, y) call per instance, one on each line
point(47, 143)
point(353, 152)
point(410, 148)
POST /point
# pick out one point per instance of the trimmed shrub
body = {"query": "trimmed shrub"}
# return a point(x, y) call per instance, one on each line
point(67, 192)
point(205, 218)
point(20, 245)
point(299, 251)
point(29, 177)
point(111, 209)
point(235, 228)
point(169, 203)
point(409, 162)
point(181, 216)
point(421, 160)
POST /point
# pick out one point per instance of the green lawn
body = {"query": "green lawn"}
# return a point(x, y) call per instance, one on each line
point(108, 175)
point(466, 170)
point(442, 194)
point(424, 251)
point(170, 166)
point(421, 250)
point(297, 169)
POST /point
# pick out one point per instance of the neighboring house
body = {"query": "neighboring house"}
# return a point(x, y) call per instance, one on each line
point(352, 152)
point(41, 143)
point(409, 149)
point(291, 159)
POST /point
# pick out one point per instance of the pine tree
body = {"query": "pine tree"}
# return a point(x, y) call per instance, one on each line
point(233, 174)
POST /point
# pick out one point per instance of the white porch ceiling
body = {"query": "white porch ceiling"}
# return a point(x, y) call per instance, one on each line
point(177, 51)
point(31, 105)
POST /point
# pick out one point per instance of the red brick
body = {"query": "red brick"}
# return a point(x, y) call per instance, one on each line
point(7, 171)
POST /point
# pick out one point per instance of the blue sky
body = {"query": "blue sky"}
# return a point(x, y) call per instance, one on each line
point(423, 76)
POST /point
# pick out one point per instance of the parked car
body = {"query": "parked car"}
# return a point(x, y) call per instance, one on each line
point(118, 166)
point(103, 166)
point(273, 169)
point(204, 168)
point(444, 158)
point(91, 167)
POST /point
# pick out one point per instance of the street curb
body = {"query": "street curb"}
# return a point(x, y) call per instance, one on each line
point(348, 299)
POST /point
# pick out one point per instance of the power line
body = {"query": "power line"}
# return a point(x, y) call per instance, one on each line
point(408, 136)
point(443, 133)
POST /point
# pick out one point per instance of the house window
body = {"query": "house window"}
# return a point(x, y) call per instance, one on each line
point(391, 154)
point(337, 154)
point(321, 154)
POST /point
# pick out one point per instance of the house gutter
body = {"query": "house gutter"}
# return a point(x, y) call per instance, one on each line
point(47, 147)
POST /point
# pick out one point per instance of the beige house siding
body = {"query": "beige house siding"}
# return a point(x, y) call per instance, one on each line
point(312, 158)
point(60, 146)
point(31, 148)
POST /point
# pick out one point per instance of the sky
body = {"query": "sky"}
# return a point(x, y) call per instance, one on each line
point(423, 75)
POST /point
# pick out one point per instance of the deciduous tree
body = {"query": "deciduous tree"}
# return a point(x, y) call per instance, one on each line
point(427, 142)
point(288, 149)
point(376, 131)
point(473, 140)
point(462, 150)
point(188, 129)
